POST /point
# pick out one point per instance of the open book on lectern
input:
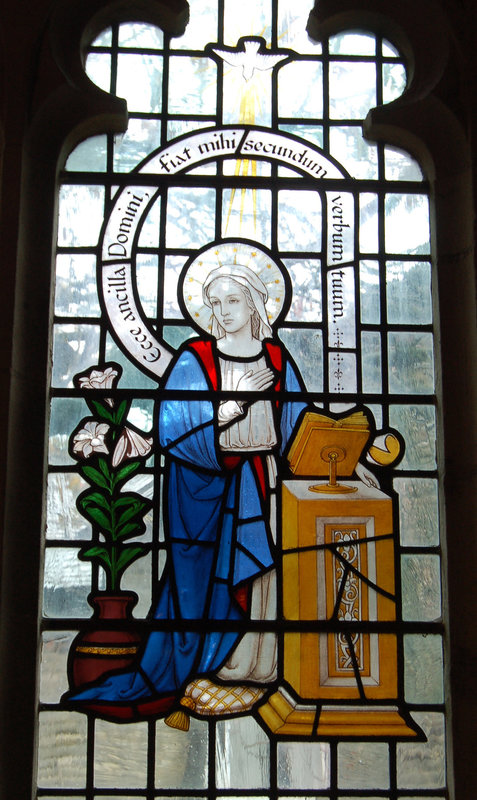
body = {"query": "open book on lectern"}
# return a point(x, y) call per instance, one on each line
point(321, 440)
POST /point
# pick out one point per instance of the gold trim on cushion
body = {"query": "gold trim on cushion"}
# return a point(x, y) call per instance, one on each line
point(215, 699)
point(102, 650)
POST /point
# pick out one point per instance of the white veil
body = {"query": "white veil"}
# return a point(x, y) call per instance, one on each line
point(247, 278)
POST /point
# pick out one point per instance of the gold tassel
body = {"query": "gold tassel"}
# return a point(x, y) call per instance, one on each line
point(178, 719)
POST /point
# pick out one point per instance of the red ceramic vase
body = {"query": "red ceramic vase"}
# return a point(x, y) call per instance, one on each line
point(106, 646)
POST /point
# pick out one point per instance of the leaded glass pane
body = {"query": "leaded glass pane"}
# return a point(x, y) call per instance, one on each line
point(399, 165)
point(363, 766)
point(241, 20)
point(422, 653)
point(175, 336)
point(407, 224)
point(133, 34)
point(89, 155)
point(418, 510)
point(359, 157)
point(76, 292)
point(411, 369)
point(352, 44)
point(394, 81)
point(306, 346)
point(150, 231)
point(306, 301)
point(65, 414)
point(99, 70)
point(372, 362)
point(370, 291)
point(66, 584)
point(294, 98)
point(55, 646)
point(418, 426)
point(80, 215)
point(247, 214)
point(62, 751)
point(182, 762)
point(148, 279)
point(292, 16)
point(131, 376)
point(139, 578)
point(421, 587)
point(75, 347)
point(312, 133)
point(409, 292)
point(191, 83)
point(299, 220)
point(63, 518)
point(111, 749)
point(242, 752)
point(422, 766)
point(190, 217)
point(352, 89)
point(139, 80)
point(130, 148)
point(202, 27)
point(303, 766)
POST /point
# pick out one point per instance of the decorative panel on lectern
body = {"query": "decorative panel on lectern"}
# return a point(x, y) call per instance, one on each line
point(338, 565)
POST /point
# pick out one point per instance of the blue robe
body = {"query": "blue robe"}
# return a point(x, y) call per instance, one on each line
point(217, 533)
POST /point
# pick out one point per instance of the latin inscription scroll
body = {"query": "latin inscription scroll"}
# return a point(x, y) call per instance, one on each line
point(120, 298)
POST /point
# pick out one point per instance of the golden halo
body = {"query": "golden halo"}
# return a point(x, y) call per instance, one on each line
point(246, 255)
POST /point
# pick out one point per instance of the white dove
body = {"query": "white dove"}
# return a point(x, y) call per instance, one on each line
point(249, 57)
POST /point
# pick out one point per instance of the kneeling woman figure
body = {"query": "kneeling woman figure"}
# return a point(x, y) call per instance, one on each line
point(220, 440)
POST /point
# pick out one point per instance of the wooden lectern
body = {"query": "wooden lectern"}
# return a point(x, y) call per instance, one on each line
point(337, 571)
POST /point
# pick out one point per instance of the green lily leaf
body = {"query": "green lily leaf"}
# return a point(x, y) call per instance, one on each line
point(125, 499)
point(94, 498)
point(104, 467)
point(128, 529)
point(136, 508)
point(103, 411)
point(125, 472)
point(95, 477)
point(96, 552)
point(121, 412)
point(130, 554)
point(95, 515)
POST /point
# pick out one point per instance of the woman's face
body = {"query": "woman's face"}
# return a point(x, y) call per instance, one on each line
point(229, 305)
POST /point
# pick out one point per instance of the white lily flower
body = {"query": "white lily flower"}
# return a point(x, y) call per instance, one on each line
point(100, 379)
point(130, 445)
point(90, 439)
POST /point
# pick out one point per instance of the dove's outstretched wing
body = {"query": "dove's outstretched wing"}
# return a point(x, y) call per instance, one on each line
point(267, 62)
point(234, 58)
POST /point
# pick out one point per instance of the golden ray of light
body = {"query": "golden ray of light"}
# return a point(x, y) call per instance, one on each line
point(243, 197)
point(231, 201)
point(249, 101)
point(254, 198)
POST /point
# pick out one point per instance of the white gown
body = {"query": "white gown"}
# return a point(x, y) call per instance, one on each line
point(255, 657)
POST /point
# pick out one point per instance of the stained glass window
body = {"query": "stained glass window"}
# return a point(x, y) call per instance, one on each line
point(242, 567)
